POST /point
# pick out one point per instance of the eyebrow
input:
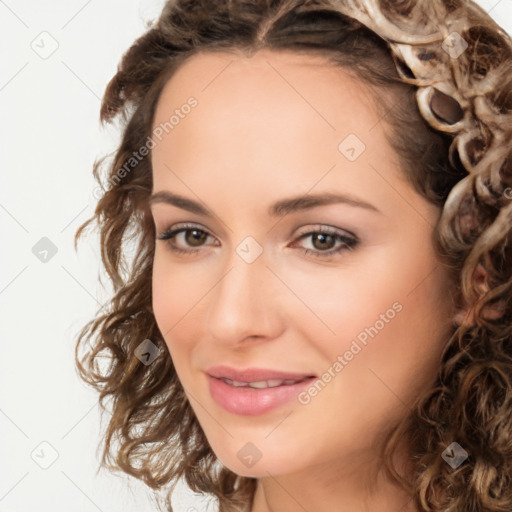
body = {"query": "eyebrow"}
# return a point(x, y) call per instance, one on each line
point(278, 209)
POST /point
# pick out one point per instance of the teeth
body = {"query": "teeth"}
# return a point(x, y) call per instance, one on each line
point(265, 384)
point(261, 384)
point(237, 383)
point(274, 383)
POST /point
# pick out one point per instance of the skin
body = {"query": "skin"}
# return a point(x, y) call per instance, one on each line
point(268, 128)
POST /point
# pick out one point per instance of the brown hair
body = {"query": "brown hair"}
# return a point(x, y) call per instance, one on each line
point(159, 438)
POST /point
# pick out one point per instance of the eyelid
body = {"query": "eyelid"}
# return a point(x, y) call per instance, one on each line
point(302, 231)
point(306, 230)
point(179, 228)
point(327, 229)
point(349, 240)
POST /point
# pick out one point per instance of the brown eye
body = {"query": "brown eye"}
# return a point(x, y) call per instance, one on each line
point(192, 237)
point(197, 237)
point(325, 241)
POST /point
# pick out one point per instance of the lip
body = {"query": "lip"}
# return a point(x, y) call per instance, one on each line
point(251, 401)
point(253, 374)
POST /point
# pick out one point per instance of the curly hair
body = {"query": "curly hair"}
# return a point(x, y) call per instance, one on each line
point(446, 67)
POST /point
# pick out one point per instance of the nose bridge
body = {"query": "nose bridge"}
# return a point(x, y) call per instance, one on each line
point(242, 303)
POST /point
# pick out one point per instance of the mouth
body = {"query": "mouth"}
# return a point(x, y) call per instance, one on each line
point(256, 375)
point(254, 391)
point(263, 384)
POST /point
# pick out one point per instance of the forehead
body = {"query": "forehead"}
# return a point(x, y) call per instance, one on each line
point(298, 92)
point(271, 76)
point(269, 124)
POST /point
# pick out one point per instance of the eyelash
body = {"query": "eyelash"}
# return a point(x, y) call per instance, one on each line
point(349, 243)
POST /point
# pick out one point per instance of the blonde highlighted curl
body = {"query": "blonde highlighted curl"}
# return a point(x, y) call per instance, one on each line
point(446, 68)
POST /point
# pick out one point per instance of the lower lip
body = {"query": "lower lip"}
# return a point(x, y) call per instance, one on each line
point(251, 401)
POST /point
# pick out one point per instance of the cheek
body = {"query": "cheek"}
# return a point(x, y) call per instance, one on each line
point(171, 295)
point(337, 304)
point(391, 312)
point(403, 347)
point(164, 300)
point(170, 315)
point(179, 296)
point(174, 291)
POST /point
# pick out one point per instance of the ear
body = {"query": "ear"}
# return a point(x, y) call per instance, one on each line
point(465, 316)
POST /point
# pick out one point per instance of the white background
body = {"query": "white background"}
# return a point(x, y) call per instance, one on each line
point(50, 138)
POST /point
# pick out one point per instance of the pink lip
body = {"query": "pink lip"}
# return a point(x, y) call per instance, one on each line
point(250, 401)
point(253, 374)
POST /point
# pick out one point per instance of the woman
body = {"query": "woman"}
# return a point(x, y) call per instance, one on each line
point(318, 313)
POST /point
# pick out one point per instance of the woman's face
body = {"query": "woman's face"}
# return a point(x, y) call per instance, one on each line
point(278, 155)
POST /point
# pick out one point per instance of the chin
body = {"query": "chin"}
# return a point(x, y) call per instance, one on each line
point(257, 465)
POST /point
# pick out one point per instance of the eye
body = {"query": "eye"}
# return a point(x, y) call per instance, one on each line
point(196, 238)
point(323, 237)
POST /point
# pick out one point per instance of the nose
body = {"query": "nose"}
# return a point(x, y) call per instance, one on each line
point(243, 304)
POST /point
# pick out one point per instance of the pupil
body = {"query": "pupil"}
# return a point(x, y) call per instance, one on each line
point(322, 237)
point(194, 237)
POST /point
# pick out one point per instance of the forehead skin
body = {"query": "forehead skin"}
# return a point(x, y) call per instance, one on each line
point(274, 122)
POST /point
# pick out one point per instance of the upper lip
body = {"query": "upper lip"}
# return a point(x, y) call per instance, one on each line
point(254, 374)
